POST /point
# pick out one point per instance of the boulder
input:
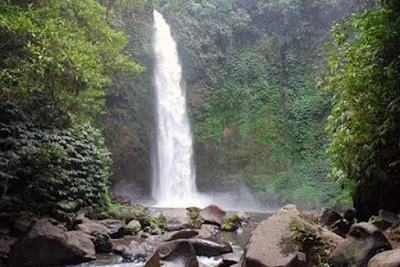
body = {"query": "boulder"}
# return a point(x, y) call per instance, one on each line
point(175, 253)
point(138, 252)
point(210, 248)
point(93, 228)
point(362, 243)
point(116, 228)
point(6, 244)
point(389, 258)
point(102, 244)
point(182, 234)
point(213, 215)
point(329, 217)
point(47, 244)
point(176, 219)
point(207, 231)
point(268, 245)
point(133, 227)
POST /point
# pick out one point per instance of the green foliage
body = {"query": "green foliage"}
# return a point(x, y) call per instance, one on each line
point(63, 51)
point(364, 123)
point(258, 113)
point(49, 170)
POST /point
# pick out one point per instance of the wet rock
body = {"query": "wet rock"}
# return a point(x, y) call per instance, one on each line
point(156, 231)
point(47, 244)
point(329, 217)
point(175, 253)
point(207, 231)
point(138, 252)
point(176, 219)
point(119, 249)
point(213, 214)
point(362, 243)
point(389, 216)
point(350, 215)
point(210, 248)
point(133, 227)
point(116, 228)
point(389, 258)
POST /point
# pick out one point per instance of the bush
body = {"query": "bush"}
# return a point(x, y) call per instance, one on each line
point(52, 170)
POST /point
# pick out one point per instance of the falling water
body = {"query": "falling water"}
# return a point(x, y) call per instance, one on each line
point(173, 174)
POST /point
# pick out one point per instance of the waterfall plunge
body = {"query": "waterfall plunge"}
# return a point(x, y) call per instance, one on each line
point(173, 175)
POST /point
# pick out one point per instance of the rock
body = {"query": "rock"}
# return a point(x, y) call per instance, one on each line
point(362, 243)
point(389, 258)
point(103, 244)
point(175, 253)
point(145, 235)
point(350, 215)
point(182, 234)
point(147, 229)
point(230, 259)
point(47, 244)
point(210, 248)
point(22, 224)
point(213, 214)
point(389, 216)
point(207, 231)
point(6, 244)
point(133, 227)
point(93, 228)
point(176, 219)
point(266, 246)
point(116, 228)
point(138, 252)
point(329, 217)
point(156, 231)
point(119, 249)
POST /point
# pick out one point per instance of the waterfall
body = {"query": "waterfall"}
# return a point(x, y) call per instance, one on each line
point(173, 172)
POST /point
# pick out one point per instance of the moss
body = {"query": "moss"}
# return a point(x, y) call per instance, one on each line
point(127, 213)
point(195, 221)
point(102, 244)
point(231, 223)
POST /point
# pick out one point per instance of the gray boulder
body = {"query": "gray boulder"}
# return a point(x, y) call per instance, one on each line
point(210, 248)
point(138, 252)
point(47, 244)
point(213, 214)
point(176, 253)
point(362, 243)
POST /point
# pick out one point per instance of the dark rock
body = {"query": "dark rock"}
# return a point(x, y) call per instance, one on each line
point(210, 248)
point(182, 234)
point(138, 252)
point(116, 228)
point(362, 243)
point(47, 244)
point(213, 214)
point(329, 217)
point(6, 244)
point(156, 231)
point(23, 223)
point(5, 231)
point(147, 229)
point(350, 215)
point(103, 244)
point(389, 258)
point(230, 259)
point(175, 253)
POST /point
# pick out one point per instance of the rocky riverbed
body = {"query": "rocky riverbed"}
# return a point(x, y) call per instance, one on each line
point(200, 237)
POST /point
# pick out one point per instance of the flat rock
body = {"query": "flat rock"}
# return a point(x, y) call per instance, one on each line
point(176, 219)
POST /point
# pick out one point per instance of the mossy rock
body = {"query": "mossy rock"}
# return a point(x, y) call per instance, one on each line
point(229, 226)
point(133, 227)
point(195, 221)
point(103, 244)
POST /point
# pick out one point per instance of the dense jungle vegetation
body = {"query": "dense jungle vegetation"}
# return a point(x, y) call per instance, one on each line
point(268, 98)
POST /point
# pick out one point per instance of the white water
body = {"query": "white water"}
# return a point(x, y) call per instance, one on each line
point(173, 175)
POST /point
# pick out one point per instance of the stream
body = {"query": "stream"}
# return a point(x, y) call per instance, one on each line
point(237, 239)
